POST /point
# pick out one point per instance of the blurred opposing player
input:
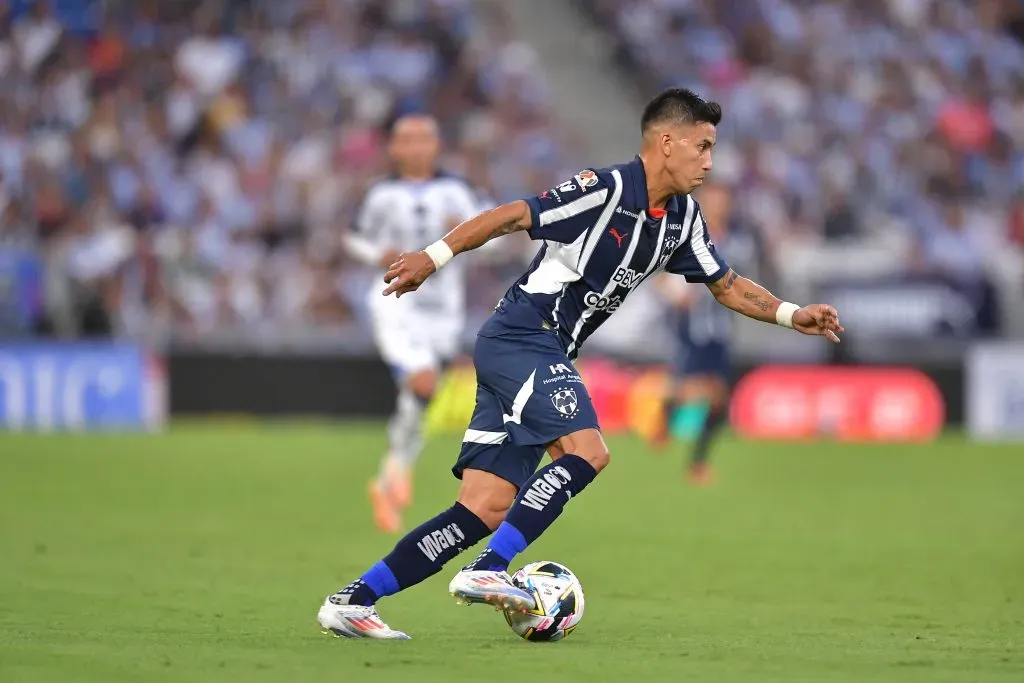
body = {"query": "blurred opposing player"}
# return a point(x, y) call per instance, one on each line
point(417, 336)
point(702, 368)
point(603, 232)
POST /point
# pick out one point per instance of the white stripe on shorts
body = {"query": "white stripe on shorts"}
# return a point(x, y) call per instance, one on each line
point(478, 436)
point(524, 394)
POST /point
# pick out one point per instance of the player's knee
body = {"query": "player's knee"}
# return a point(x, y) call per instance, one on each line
point(491, 512)
point(587, 444)
point(598, 458)
point(487, 496)
point(492, 517)
point(423, 384)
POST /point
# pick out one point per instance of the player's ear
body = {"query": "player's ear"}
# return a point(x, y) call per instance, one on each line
point(666, 144)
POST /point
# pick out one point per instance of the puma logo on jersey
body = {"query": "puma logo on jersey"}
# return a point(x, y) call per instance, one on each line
point(617, 235)
point(540, 492)
point(433, 543)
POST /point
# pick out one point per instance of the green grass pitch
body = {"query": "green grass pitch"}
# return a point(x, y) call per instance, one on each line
point(202, 555)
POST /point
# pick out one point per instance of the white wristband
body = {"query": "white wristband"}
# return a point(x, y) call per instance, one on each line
point(440, 253)
point(784, 316)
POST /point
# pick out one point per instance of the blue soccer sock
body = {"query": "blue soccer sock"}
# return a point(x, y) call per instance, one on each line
point(419, 555)
point(537, 506)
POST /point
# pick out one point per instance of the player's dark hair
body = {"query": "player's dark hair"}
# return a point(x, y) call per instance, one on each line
point(679, 105)
point(387, 127)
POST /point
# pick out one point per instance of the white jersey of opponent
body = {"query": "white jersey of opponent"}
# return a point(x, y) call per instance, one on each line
point(421, 329)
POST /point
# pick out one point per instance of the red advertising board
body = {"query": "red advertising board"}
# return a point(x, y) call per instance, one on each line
point(846, 403)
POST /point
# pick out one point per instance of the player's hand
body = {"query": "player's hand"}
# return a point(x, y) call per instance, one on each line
point(407, 273)
point(818, 319)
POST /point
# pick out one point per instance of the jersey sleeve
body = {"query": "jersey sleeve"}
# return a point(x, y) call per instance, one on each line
point(565, 212)
point(697, 259)
point(369, 214)
point(365, 235)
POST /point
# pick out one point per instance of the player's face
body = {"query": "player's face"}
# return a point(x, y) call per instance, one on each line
point(415, 145)
point(688, 154)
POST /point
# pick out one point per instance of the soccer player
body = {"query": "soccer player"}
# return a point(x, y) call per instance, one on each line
point(417, 336)
point(603, 233)
point(701, 370)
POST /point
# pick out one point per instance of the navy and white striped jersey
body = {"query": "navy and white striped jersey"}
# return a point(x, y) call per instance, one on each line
point(407, 215)
point(600, 242)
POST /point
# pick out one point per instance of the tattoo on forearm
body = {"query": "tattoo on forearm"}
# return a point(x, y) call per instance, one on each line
point(730, 278)
point(757, 300)
point(504, 229)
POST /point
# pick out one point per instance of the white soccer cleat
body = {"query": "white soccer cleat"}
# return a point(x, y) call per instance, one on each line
point(491, 588)
point(355, 621)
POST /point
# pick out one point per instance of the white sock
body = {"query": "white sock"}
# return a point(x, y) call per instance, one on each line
point(405, 432)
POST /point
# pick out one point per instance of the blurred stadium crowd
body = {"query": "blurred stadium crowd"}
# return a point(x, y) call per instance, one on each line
point(185, 169)
point(895, 121)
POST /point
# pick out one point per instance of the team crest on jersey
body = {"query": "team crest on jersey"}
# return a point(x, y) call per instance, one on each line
point(586, 178)
point(565, 402)
point(671, 242)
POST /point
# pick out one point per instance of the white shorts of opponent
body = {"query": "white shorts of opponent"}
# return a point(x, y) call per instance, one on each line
point(412, 337)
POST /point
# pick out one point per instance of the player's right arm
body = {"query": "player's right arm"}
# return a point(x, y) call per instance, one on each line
point(409, 271)
point(560, 214)
point(485, 226)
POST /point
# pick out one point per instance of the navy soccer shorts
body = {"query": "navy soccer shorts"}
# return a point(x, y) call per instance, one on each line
point(528, 394)
point(703, 360)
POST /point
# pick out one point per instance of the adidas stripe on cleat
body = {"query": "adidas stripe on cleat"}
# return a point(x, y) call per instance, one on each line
point(355, 621)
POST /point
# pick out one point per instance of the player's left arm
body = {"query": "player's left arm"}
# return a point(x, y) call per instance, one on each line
point(745, 296)
point(698, 260)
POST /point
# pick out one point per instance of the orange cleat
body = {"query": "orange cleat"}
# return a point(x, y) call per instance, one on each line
point(700, 474)
point(385, 515)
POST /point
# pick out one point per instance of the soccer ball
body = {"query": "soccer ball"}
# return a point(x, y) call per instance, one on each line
point(559, 597)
